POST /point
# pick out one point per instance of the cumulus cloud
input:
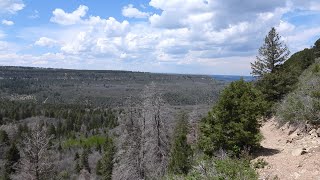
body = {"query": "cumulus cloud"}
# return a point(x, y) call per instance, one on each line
point(7, 23)
point(46, 42)
point(214, 35)
point(64, 18)
point(11, 6)
point(132, 12)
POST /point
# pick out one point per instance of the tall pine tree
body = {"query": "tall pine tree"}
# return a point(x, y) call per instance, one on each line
point(272, 53)
point(180, 156)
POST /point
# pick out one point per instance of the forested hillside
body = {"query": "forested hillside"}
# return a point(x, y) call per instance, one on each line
point(70, 124)
point(79, 124)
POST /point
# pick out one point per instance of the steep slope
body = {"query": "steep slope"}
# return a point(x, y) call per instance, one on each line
point(289, 152)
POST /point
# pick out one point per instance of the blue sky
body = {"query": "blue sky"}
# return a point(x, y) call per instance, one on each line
point(176, 36)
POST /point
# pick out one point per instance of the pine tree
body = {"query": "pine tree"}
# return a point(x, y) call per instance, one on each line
point(4, 138)
point(272, 53)
point(317, 48)
point(233, 124)
point(180, 156)
point(98, 168)
point(85, 161)
point(12, 157)
point(105, 165)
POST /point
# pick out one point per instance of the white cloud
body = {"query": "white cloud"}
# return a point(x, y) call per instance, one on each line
point(64, 18)
point(46, 42)
point(11, 6)
point(7, 23)
point(34, 15)
point(132, 12)
point(213, 35)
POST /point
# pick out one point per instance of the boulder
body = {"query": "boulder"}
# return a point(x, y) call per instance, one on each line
point(312, 131)
point(318, 132)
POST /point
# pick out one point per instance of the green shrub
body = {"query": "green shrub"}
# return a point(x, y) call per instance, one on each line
point(260, 163)
point(219, 169)
point(92, 141)
point(303, 104)
point(233, 124)
point(316, 68)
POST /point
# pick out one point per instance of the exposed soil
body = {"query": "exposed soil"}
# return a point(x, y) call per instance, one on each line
point(290, 154)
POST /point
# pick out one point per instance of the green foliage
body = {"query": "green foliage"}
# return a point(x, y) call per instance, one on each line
point(98, 168)
point(232, 124)
point(4, 138)
point(12, 157)
point(271, 54)
point(105, 165)
point(316, 69)
point(260, 163)
point(303, 104)
point(317, 48)
point(92, 141)
point(219, 169)
point(181, 152)
point(84, 163)
point(64, 175)
point(285, 77)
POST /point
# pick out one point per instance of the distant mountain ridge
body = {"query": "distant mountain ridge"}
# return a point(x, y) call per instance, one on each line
point(230, 78)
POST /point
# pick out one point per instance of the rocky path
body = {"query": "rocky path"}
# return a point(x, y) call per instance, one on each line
point(289, 153)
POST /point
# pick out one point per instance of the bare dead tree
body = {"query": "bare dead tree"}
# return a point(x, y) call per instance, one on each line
point(35, 162)
point(154, 141)
point(128, 160)
point(143, 142)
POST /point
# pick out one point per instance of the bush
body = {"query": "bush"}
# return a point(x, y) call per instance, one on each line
point(303, 104)
point(233, 123)
point(216, 169)
point(260, 163)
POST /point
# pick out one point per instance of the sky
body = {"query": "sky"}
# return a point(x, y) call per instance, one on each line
point(167, 36)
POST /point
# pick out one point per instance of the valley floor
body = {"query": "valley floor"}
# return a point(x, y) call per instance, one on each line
point(289, 153)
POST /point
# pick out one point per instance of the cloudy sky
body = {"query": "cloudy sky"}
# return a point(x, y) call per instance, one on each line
point(172, 36)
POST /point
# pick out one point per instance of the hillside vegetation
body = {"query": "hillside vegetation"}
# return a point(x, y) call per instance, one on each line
point(72, 124)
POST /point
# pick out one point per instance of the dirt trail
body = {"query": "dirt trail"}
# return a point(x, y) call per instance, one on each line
point(289, 153)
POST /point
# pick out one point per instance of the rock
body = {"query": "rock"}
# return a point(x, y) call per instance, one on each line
point(285, 126)
point(308, 127)
point(291, 129)
point(314, 135)
point(318, 132)
point(298, 152)
point(313, 131)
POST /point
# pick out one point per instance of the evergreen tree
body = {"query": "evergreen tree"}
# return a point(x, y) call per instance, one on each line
point(232, 124)
point(180, 156)
point(84, 160)
point(98, 168)
point(272, 53)
point(105, 165)
point(12, 157)
point(52, 130)
point(317, 48)
point(4, 138)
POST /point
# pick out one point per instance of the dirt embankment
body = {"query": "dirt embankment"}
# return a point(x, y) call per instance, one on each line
point(290, 152)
